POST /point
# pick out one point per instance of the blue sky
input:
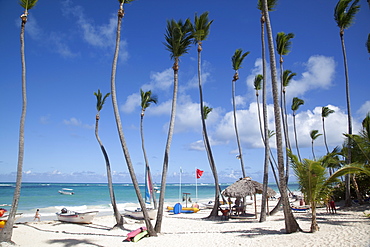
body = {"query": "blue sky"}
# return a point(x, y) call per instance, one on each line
point(69, 51)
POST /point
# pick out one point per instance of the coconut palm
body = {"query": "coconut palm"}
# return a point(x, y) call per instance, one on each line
point(344, 15)
point(270, 5)
point(121, 13)
point(200, 32)
point(178, 40)
point(287, 77)
point(237, 60)
point(257, 86)
point(314, 134)
point(7, 232)
point(325, 112)
point(146, 100)
point(100, 100)
point(296, 103)
point(291, 224)
point(312, 180)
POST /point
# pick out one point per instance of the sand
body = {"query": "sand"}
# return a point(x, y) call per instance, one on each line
point(348, 227)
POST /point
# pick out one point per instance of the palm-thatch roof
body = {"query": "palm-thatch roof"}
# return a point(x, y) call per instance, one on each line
point(246, 187)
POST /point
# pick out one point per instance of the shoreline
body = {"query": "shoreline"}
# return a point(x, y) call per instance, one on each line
point(348, 227)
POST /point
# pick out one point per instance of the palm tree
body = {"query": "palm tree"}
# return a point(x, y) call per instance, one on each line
point(287, 77)
point(257, 86)
point(325, 112)
point(295, 106)
point(270, 6)
point(7, 232)
point(200, 32)
point(344, 16)
point(291, 224)
point(130, 167)
point(100, 100)
point(314, 134)
point(146, 100)
point(313, 182)
point(237, 60)
point(178, 39)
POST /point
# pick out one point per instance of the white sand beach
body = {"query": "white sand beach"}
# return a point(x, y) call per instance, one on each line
point(349, 227)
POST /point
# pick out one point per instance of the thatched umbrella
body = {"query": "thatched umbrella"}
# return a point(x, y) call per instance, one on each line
point(246, 187)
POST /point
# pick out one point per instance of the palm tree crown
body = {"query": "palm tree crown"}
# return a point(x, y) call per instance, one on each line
point(297, 102)
point(147, 99)
point(271, 4)
point(283, 43)
point(287, 77)
point(344, 14)
point(178, 37)
point(100, 100)
point(201, 27)
point(237, 59)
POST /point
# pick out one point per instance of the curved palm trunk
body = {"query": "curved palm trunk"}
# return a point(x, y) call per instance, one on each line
point(266, 138)
point(236, 130)
point(313, 152)
point(119, 126)
point(348, 201)
point(214, 212)
point(158, 223)
point(119, 219)
point(291, 224)
point(314, 225)
point(326, 144)
point(296, 137)
point(7, 232)
point(147, 167)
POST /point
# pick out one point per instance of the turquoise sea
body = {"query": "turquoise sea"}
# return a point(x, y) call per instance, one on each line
point(95, 196)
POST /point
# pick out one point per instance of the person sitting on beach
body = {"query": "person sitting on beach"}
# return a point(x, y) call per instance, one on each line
point(37, 215)
point(237, 207)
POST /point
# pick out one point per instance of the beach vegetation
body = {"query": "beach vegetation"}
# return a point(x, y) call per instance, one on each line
point(120, 15)
point(200, 31)
point(178, 39)
point(271, 4)
point(100, 101)
point(291, 224)
point(146, 100)
point(237, 60)
point(314, 134)
point(344, 14)
point(7, 232)
point(313, 181)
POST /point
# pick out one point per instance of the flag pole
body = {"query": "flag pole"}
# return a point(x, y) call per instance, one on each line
point(180, 185)
point(196, 186)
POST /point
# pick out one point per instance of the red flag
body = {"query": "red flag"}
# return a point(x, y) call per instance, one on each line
point(199, 173)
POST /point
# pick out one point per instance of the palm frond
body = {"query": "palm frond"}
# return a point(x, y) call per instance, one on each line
point(283, 43)
point(296, 103)
point(178, 37)
point(271, 4)
point(237, 58)
point(326, 111)
point(257, 82)
point(201, 27)
point(28, 4)
point(344, 15)
point(314, 134)
point(287, 77)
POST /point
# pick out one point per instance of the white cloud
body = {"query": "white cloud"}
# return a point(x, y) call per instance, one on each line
point(78, 123)
point(319, 74)
point(160, 80)
point(132, 103)
point(364, 109)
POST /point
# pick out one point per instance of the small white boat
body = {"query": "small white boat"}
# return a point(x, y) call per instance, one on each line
point(76, 217)
point(5, 216)
point(137, 213)
point(66, 191)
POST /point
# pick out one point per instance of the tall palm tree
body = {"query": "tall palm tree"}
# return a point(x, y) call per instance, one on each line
point(325, 112)
point(287, 77)
point(121, 13)
point(146, 100)
point(344, 16)
point(100, 100)
point(291, 224)
point(314, 134)
point(178, 40)
point(297, 102)
point(7, 232)
point(270, 6)
point(258, 86)
point(237, 60)
point(200, 32)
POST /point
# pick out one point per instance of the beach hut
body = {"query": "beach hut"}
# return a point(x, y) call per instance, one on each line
point(247, 187)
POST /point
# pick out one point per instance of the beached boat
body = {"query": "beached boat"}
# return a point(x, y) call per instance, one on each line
point(137, 213)
point(5, 216)
point(66, 191)
point(76, 217)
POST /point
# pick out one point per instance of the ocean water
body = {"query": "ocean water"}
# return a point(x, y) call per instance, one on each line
point(95, 196)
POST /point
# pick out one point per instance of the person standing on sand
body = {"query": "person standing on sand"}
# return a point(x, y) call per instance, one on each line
point(332, 206)
point(37, 215)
